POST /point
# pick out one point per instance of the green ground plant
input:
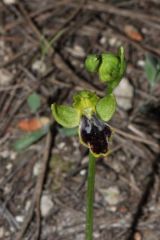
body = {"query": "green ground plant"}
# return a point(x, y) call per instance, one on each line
point(90, 114)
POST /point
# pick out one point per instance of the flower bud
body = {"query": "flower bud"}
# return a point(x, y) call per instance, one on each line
point(92, 63)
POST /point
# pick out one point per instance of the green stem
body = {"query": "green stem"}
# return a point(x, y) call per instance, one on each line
point(90, 197)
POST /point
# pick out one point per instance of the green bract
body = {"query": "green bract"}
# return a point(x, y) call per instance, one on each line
point(106, 107)
point(92, 62)
point(65, 115)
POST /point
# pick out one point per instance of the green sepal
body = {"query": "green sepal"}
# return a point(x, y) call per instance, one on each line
point(92, 62)
point(66, 116)
point(106, 107)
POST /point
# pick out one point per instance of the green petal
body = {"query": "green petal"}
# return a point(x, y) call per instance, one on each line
point(66, 116)
point(106, 107)
point(92, 62)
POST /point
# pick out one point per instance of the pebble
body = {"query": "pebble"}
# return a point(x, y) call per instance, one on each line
point(114, 42)
point(76, 51)
point(39, 66)
point(137, 236)
point(9, 166)
point(103, 40)
point(46, 205)
point(112, 209)
point(79, 51)
point(19, 219)
point(9, 2)
point(140, 63)
point(4, 154)
point(5, 77)
point(13, 155)
point(112, 195)
point(83, 172)
point(124, 94)
point(61, 145)
point(2, 232)
point(36, 169)
point(28, 205)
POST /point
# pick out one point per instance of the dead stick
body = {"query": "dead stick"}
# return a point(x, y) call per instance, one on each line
point(37, 193)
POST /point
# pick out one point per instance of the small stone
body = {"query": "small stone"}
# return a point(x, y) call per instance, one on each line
point(112, 41)
point(46, 205)
point(5, 77)
point(2, 232)
point(83, 172)
point(112, 195)
point(9, 2)
point(79, 51)
point(112, 208)
point(19, 219)
point(9, 166)
point(37, 169)
point(96, 235)
point(145, 30)
point(28, 204)
point(76, 51)
point(103, 40)
point(13, 155)
point(137, 236)
point(140, 63)
point(124, 94)
point(39, 66)
point(61, 145)
point(4, 154)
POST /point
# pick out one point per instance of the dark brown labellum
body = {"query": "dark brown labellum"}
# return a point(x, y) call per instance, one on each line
point(95, 133)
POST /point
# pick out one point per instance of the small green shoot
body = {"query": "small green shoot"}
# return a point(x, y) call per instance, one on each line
point(152, 69)
point(30, 138)
point(34, 102)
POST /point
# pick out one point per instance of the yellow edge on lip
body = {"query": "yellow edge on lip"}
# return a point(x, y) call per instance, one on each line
point(88, 146)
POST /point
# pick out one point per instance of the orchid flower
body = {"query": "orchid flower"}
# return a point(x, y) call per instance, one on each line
point(90, 114)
